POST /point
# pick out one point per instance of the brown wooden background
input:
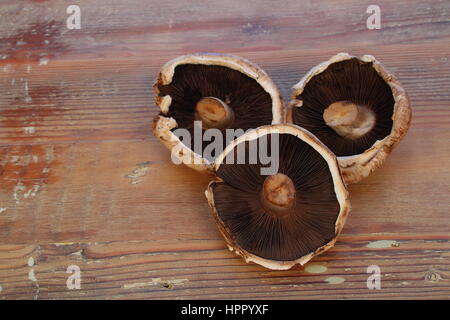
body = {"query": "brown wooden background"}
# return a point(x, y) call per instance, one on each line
point(84, 182)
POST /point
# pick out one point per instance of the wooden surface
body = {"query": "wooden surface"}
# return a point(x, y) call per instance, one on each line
point(83, 181)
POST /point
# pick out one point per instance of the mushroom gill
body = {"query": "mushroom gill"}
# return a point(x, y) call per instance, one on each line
point(287, 217)
point(348, 106)
point(251, 104)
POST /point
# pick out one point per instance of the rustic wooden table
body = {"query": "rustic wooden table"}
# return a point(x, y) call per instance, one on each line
point(84, 183)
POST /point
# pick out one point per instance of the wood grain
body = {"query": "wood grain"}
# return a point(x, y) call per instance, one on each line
point(83, 181)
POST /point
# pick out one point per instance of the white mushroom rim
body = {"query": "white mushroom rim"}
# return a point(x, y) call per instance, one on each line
point(339, 188)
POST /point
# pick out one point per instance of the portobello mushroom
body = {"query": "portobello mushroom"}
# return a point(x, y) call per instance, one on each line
point(284, 218)
point(356, 107)
point(222, 91)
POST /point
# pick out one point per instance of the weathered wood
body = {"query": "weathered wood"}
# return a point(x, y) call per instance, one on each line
point(412, 268)
point(83, 181)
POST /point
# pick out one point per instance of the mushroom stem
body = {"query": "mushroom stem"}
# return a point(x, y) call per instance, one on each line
point(214, 113)
point(278, 195)
point(348, 119)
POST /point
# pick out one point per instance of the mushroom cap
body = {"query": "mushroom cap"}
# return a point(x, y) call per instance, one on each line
point(166, 121)
point(315, 172)
point(356, 167)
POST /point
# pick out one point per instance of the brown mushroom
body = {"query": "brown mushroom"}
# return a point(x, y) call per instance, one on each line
point(356, 108)
point(223, 91)
point(285, 218)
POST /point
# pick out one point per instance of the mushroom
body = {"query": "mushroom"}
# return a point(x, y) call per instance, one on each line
point(356, 108)
point(220, 90)
point(284, 218)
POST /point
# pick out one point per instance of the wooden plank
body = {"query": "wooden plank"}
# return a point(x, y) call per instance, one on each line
point(204, 269)
point(83, 181)
point(130, 190)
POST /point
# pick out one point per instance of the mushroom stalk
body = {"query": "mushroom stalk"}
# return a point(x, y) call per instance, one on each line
point(214, 113)
point(278, 195)
point(348, 119)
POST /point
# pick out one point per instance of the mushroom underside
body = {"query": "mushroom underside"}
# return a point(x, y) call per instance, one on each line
point(348, 106)
point(300, 218)
point(246, 104)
